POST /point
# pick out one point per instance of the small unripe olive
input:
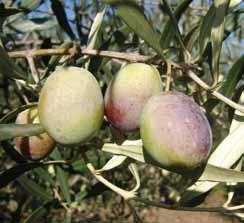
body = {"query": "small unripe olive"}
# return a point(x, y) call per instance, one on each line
point(33, 147)
point(127, 93)
point(71, 105)
point(175, 132)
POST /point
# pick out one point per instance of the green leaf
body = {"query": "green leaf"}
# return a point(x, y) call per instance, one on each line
point(68, 218)
point(43, 174)
point(35, 189)
point(12, 114)
point(62, 177)
point(29, 5)
point(30, 25)
point(38, 213)
point(9, 131)
point(93, 35)
point(61, 16)
point(8, 68)
point(205, 30)
point(218, 174)
point(16, 171)
point(134, 17)
point(169, 29)
point(233, 77)
point(26, 6)
point(217, 34)
point(54, 60)
point(8, 11)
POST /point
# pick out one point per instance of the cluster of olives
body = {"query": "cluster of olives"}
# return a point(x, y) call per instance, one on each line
point(174, 131)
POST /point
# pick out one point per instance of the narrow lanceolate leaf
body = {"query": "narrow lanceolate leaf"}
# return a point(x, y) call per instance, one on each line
point(234, 3)
point(217, 34)
point(54, 60)
point(8, 68)
point(205, 30)
point(132, 149)
point(233, 77)
point(169, 30)
point(213, 22)
point(38, 213)
point(35, 189)
point(26, 6)
point(5, 11)
point(115, 161)
point(62, 177)
point(31, 25)
point(12, 114)
point(9, 131)
point(134, 17)
point(93, 35)
point(134, 170)
point(61, 16)
point(14, 172)
point(219, 174)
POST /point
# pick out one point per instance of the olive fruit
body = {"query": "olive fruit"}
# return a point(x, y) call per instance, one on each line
point(127, 93)
point(175, 132)
point(33, 147)
point(71, 105)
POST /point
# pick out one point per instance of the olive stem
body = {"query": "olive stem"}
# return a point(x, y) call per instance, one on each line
point(168, 75)
point(34, 72)
point(125, 194)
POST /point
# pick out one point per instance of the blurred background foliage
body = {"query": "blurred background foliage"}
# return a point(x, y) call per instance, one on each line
point(68, 193)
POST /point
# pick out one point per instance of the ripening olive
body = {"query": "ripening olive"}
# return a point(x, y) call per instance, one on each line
point(127, 94)
point(175, 132)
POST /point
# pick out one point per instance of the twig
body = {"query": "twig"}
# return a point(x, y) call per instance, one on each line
point(33, 69)
point(132, 57)
point(168, 75)
point(182, 208)
point(61, 51)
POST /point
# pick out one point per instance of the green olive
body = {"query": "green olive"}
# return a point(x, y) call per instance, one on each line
point(71, 105)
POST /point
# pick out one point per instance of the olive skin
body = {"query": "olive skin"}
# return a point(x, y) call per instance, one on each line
point(33, 147)
point(71, 106)
point(175, 132)
point(127, 94)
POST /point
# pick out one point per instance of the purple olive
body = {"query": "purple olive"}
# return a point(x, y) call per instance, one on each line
point(175, 132)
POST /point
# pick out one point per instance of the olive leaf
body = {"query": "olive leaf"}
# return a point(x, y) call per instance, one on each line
point(134, 17)
point(217, 34)
point(35, 189)
point(61, 16)
point(115, 161)
point(8, 68)
point(169, 29)
point(38, 213)
point(93, 34)
point(233, 77)
point(62, 177)
point(217, 174)
point(12, 114)
point(130, 148)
